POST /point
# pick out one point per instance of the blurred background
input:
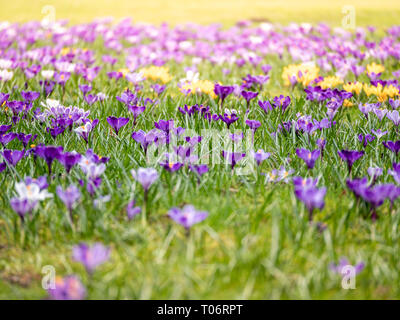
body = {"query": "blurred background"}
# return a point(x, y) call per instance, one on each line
point(227, 12)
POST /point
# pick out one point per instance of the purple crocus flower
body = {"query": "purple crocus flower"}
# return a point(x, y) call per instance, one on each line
point(311, 196)
point(91, 256)
point(266, 106)
point(49, 154)
point(395, 173)
point(85, 88)
point(136, 111)
point(343, 263)
point(22, 206)
point(229, 119)
point(67, 288)
point(222, 92)
point(309, 157)
point(7, 138)
point(394, 103)
point(260, 156)
point(374, 173)
point(394, 116)
point(165, 125)
point(248, 96)
point(145, 139)
point(25, 138)
point(365, 139)
point(379, 133)
point(199, 169)
point(282, 102)
point(350, 156)
point(145, 176)
point(4, 128)
point(233, 157)
point(117, 123)
point(3, 166)
point(171, 166)
point(159, 89)
point(13, 156)
point(69, 159)
point(253, 124)
point(69, 196)
point(393, 146)
point(30, 96)
point(90, 99)
point(357, 186)
point(132, 211)
point(187, 216)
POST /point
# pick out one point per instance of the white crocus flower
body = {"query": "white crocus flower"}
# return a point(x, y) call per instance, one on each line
point(6, 75)
point(31, 192)
point(47, 74)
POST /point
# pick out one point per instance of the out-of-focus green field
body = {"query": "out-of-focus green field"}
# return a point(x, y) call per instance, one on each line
point(376, 12)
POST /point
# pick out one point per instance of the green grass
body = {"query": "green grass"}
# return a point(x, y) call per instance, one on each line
point(256, 242)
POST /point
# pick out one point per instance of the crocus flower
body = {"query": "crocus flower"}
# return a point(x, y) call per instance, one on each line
point(248, 96)
point(30, 96)
point(187, 216)
point(26, 138)
point(393, 146)
point(309, 157)
point(91, 256)
point(69, 196)
point(84, 130)
point(132, 211)
point(229, 118)
point(311, 196)
point(365, 139)
point(350, 156)
point(253, 124)
point(117, 123)
point(222, 92)
point(233, 157)
point(22, 206)
point(171, 166)
point(145, 176)
point(136, 111)
point(394, 103)
point(282, 102)
point(343, 262)
point(260, 156)
point(67, 288)
point(199, 169)
point(4, 128)
point(374, 173)
point(3, 166)
point(265, 105)
point(394, 116)
point(69, 159)
point(379, 133)
point(90, 99)
point(145, 139)
point(7, 138)
point(49, 154)
point(13, 156)
point(395, 173)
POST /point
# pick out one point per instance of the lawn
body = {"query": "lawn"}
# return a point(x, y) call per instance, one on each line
point(257, 241)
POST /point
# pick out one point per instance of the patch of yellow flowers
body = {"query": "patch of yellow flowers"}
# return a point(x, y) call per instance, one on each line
point(304, 73)
point(200, 86)
point(355, 87)
point(375, 68)
point(157, 73)
point(382, 93)
point(330, 82)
